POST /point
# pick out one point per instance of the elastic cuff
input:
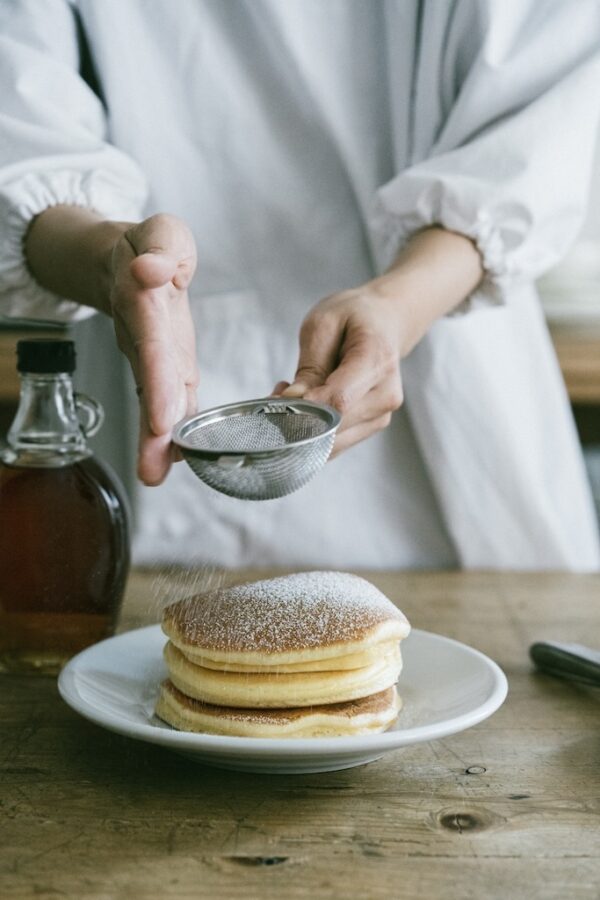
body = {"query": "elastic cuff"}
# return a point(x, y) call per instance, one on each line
point(20, 294)
point(392, 232)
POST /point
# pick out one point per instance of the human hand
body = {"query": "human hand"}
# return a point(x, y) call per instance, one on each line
point(351, 343)
point(350, 347)
point(139, 275)
point(152, 264)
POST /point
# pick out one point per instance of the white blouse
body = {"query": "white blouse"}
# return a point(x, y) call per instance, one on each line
point(304, 142)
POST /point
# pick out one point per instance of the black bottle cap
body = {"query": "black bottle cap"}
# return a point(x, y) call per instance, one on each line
point(44, 356)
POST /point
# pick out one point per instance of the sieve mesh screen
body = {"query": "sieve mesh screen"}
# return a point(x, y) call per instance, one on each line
point(256, 432)
point(258, 450)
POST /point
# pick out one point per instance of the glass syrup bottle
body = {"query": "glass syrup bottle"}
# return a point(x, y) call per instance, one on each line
point(64, 531)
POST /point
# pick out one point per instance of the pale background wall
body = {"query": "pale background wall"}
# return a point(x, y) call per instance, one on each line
point(572, 291)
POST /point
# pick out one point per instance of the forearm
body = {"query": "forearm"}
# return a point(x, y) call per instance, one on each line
point(69, 251)
point(429, 278)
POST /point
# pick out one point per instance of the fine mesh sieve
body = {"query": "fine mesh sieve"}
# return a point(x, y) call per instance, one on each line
point(258, 449)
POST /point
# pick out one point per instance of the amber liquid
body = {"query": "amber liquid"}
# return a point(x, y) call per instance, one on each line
point(64, 558)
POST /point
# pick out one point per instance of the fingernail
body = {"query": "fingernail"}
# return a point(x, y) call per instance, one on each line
point(279, 388)
point(298, 389)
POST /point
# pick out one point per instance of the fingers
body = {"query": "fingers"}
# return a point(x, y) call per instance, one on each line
point(192, 407)
point(343, 355)
point(153, 253)
point(350, 381)
point(165, 391)
point(370, 415)
point(279, 388)
point(368, 374)
point(319, 346)
point(145, 334)
point(155, 454)
point(153, 265)
point(382, 400)
point(349, 360)
point(346, 439)
point(153, 270)
point(163, 251)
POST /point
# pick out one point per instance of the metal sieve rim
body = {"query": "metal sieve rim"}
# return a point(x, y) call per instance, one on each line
point(182, 429)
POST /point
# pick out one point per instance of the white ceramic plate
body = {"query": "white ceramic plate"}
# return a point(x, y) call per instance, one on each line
point(446, 687)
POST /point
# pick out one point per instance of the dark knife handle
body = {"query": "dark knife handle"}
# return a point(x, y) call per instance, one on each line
point(572, 661)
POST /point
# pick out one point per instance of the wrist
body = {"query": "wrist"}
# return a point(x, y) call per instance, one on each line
point(400, 298)
point(430, 277)
point(69, 250)
point(101, 241)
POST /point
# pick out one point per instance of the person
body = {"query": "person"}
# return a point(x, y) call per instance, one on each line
point(386, 179)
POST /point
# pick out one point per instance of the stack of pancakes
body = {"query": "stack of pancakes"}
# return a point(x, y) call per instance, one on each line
point(308, 655)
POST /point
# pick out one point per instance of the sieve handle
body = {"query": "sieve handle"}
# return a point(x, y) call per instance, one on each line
point(278, 408)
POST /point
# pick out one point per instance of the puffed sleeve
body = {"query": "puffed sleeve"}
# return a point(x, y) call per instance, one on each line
point(506, 103)
point(53, 146)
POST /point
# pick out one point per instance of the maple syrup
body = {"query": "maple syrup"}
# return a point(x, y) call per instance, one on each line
point(64, 537)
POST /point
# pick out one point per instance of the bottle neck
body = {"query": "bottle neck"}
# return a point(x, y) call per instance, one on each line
point(46, 430)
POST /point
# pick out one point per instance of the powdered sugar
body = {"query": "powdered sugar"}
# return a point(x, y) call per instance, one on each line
point(293, 612)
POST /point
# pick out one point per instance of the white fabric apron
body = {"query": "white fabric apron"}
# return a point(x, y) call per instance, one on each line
point(304, 142)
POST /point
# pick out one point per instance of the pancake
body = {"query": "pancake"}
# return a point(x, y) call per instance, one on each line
point(259, 690)
point(308, 617)
point(335, 663)
point(365, 716)
point(306, 655)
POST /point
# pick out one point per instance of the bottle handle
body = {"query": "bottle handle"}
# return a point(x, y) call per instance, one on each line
point(90, 413)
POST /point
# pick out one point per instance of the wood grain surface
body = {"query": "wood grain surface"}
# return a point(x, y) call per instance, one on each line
point(9, 378)
point(577, 347)
point(508, 809)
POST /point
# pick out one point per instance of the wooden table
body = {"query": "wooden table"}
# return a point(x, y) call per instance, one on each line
point(577, 348)
point(508, 809)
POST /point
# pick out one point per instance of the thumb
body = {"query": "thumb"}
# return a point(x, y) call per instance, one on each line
point(320, 339)
point(164, 251)
point(153, 269)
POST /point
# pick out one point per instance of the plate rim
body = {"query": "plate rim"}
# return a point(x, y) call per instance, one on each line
point(229, 745)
